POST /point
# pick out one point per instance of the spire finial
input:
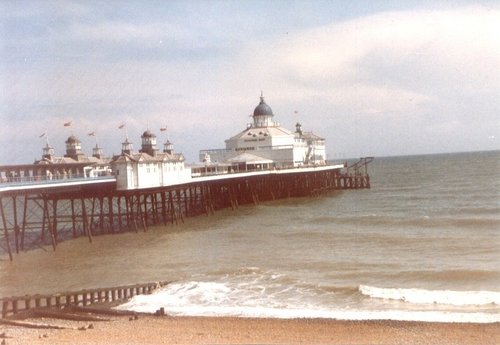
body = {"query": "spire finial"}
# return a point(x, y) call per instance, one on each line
point(261, 96)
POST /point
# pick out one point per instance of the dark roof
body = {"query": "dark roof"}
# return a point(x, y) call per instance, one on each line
point(262, 108)
point(72, 139)
point(148, 134)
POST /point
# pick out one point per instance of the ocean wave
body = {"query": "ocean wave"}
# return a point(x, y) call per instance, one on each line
point(422, 296)
point(259, 298)
point(195, 298)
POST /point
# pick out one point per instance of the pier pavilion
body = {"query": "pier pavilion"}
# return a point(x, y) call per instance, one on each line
point(266, 140)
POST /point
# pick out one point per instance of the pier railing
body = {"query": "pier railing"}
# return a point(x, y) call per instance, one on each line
point(13, 305)
point(42, 179)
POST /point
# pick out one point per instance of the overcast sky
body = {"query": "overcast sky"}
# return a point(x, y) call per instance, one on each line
point(374, 78)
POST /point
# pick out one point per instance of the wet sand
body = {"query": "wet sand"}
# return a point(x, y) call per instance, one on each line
point(229, 330)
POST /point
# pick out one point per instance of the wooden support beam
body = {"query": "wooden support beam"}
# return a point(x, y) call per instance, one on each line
point(128, 211)
point(54, 220)
point(186, 209)
point(101, 214)
point(119, 209)
point(131, 211)
point(164, 207)
point(173, 213)
point(85, 222)
point(111, 213)
point(92, 214)
point(6, 232)
point(16, 225)
point(142, 215)
point(46, 215)
point(23, 229)
point(73, 217)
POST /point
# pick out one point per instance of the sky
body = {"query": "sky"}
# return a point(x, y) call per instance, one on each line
point(374, 78)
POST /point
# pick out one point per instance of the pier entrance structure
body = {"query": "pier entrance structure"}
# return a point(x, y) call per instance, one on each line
point(267, 140)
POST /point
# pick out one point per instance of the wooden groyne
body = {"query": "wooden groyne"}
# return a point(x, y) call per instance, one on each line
point(17, 304)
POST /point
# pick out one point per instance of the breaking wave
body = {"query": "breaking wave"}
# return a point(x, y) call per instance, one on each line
point(421, 296)
point(261, 299)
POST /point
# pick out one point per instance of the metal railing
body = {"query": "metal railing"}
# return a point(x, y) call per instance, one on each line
point(43, 179)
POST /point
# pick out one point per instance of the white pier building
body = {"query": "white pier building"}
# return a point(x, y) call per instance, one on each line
point(264, 144)
point(149, 168)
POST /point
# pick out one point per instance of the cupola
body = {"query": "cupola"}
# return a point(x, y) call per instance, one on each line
point(262, 114)
point(148, 143)
point(298, 128)
point(126, 147)
point(97, 152)
point(168, 147)
point(48, 152)
point(73, 148)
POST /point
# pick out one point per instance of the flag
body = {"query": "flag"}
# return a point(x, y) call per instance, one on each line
point(163, 129)
point(67, 124)
point(91, 134)
point(121, 126)
point(42, 135)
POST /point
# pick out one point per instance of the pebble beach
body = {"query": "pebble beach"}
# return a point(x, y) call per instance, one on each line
point(148, 329)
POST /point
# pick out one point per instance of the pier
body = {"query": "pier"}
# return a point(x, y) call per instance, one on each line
point(62, 197)
point(38, 211)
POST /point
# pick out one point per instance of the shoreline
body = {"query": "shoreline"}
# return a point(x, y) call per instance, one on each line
point(150, 329)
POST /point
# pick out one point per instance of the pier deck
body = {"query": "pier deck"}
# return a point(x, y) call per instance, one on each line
point(47, 212)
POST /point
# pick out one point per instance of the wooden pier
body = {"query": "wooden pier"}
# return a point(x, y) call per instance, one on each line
point(37, 215)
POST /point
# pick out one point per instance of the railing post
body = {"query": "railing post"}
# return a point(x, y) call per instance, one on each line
point(14, 306)
point(27, 303)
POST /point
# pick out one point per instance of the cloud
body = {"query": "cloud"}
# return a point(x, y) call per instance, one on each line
point(401, 56)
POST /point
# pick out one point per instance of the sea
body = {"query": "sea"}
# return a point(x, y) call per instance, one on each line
point(422, 244)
